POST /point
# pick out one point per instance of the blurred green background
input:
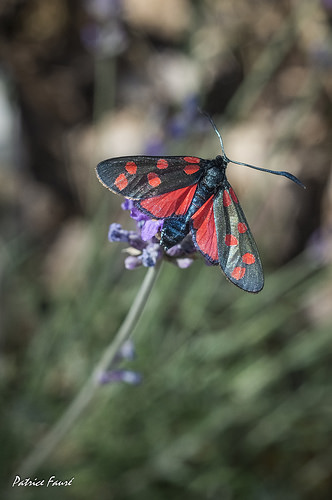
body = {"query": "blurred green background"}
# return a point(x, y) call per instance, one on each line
point(236, 395)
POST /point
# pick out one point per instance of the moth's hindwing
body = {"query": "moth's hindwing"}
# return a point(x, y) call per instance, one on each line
point(237, 250)
point(204, 231)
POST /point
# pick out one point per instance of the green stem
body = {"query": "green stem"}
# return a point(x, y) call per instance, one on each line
point(83, 398)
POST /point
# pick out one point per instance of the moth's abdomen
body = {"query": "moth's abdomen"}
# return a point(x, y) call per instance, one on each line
point(173, 231)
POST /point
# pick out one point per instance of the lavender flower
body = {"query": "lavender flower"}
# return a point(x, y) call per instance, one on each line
point(150, 228)
point(144, 246)
point(116, 233)
point(151, 254)
point(132, 262)
point(126, 351)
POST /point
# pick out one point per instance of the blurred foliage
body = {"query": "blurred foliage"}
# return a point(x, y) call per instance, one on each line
point(236, 393)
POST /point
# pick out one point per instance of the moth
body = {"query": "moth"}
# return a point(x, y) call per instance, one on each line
point(193, 195)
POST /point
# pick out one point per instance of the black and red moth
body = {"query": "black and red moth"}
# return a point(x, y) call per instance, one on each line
point(192, 194)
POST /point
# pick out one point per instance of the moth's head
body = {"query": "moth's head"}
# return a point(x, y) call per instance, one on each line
point(222, 161)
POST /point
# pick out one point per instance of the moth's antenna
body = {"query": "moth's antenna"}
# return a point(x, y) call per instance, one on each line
point(216, 131)
point(275, 172)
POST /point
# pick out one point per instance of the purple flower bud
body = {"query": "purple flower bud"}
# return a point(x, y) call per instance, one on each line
point(131, 377)
point(136, 241)
point(137, 215)
point(116, 233)
point(186, 247)
point(127, 376)
point(132, 262)
point(150, 228)
point(127, 204)
point(127, 350)
point(151, 254)
point(184, 263)
point(175, 251)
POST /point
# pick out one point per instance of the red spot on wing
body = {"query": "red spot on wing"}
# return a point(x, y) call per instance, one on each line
point(248, 258)
point(191, 159)
point(205, 236)
point(226, 199)
point(161, 164)
point(131, 167)
point(191, 169)
point(230, 240)
point(121, 182)
point(242, 227)
point(173, 203)
point(153, 179)
point(238, 272)
point(233, 195)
